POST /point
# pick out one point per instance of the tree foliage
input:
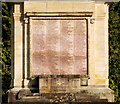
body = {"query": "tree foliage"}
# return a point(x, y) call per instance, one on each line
point(6, 49)
point(114, 49)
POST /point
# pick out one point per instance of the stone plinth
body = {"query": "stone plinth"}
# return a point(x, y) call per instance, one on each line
point(92, 94)
point(62, 83)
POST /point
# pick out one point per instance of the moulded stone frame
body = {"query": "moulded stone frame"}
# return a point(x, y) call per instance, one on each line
point(58, 15)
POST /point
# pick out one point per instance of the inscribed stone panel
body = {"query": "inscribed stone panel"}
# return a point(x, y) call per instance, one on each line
point(58, 47)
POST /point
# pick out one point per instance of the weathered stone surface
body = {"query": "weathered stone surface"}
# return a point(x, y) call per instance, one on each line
point(62, 47)
point(22, 93)
point(62, 83)
point(92, 94)
point(64, 98)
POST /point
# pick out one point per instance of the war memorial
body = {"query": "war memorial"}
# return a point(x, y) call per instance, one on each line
point(60, 52)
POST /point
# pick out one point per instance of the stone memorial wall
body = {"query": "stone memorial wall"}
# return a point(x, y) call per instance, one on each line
point(60, 47)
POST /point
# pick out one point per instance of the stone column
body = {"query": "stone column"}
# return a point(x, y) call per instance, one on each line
point(26, 81)
point(17, 52)
point(91, 63)
point(18, 46)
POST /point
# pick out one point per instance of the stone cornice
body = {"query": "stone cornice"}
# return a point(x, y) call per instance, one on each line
point(59, 14)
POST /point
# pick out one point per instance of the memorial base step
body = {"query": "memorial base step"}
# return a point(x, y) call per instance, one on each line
point(62, 98)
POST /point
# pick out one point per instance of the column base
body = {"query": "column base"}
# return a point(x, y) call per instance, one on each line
point(12, 94)
point(15, 94)
point(26, 83)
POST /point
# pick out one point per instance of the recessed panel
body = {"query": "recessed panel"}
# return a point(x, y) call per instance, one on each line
point(58, 47)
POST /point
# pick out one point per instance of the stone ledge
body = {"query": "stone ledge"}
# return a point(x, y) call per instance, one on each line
point(62, 76)
point(59, 14)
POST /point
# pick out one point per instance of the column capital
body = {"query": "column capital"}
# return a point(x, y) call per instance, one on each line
point(17, 16)
point(92, 20)
point(26, 20)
